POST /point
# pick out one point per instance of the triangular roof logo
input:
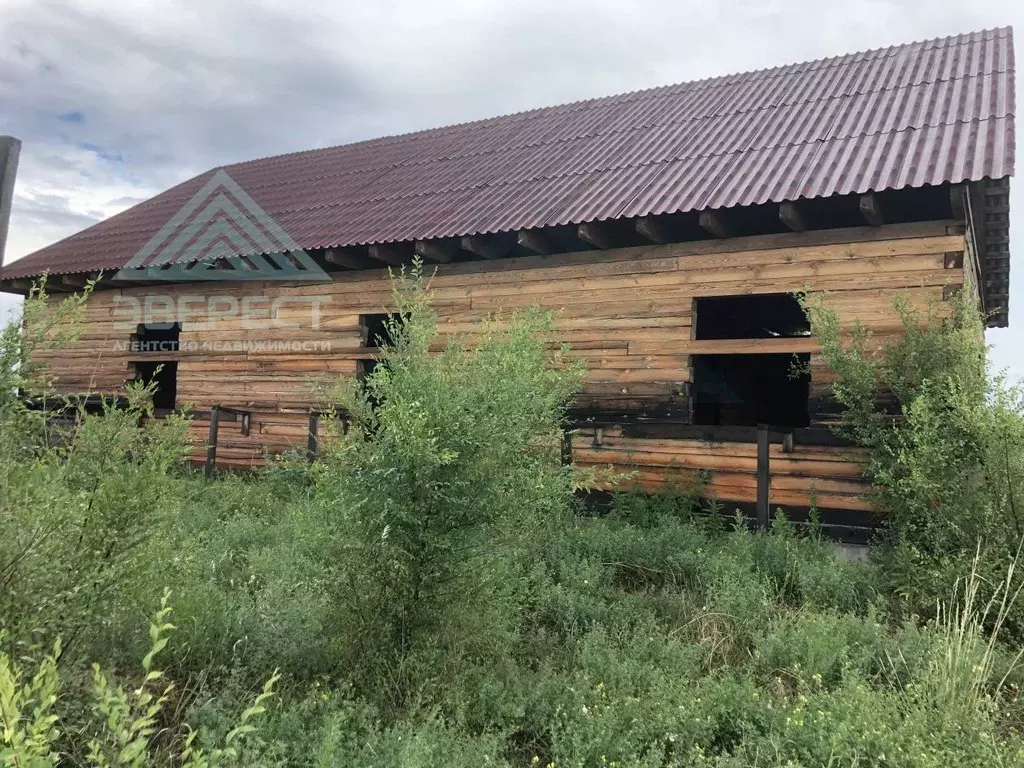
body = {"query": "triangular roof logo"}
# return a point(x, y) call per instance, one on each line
point(221, 234)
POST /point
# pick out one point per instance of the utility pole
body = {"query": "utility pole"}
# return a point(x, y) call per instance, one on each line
point(10, 150)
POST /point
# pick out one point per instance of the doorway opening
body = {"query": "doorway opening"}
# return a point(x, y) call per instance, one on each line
point(747, 390)
point(164, 375)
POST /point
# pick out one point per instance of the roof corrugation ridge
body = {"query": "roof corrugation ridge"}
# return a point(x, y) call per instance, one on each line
point(581, 173)
point(938, 42)
point(624, 131)
point(629, 128)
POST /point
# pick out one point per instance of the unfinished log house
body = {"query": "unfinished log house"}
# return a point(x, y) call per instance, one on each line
point(669, 227)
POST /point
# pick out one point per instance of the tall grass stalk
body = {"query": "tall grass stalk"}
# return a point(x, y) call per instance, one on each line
point(957, 678)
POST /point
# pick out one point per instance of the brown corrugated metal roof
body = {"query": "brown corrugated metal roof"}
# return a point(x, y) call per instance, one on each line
point(920, 114)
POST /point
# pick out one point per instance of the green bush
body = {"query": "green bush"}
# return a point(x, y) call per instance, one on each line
point(431, 598)
point(121, 724)
point(76, 503)
point(948, 465)
point(447, 475)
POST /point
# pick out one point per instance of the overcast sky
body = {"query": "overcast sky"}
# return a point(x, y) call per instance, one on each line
point(116, 100)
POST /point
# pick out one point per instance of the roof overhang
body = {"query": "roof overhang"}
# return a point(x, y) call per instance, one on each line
point(988, 218)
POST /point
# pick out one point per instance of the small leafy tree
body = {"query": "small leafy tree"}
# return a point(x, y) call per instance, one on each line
point(74, 502)
point(449, 470)
point(948, 460)
point(43, 324)
point(124, 721)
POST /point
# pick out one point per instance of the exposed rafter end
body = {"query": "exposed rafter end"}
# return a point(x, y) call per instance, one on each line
point(75, 281)
point(595, 235)
point(871, 210)
point(535, 241)
point(17, 285)
point(712, 221)
point(792, 217)
point(346, 258)
point(652, 229)
point(493, 247)
point(387, 253)
point(442, 250)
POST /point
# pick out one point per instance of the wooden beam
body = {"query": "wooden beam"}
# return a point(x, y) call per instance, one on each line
point(764, 476)
point(74, 281)
point(442, 249)
point(871, 210)
point(567, 446)
point(487, 247)
point(711, 221)
point(595, 235)
point(958, 202)
point(791, 216)
point(387, 253)
point(346, 258)
point(17, 284)
point(972, 198)
point(211, 445)
point(311, 440)
point(535, 241)
point(652, 229)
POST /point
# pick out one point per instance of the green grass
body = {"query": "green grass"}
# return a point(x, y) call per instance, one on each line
point(428, 594)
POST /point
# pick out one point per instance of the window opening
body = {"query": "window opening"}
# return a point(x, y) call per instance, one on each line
point(750, 389)
point(157, 338)
point(376, 330)
point(763, 316)
point(164, 374)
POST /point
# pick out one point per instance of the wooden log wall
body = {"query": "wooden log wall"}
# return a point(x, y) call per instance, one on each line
point(627, 312)
point(827, 477)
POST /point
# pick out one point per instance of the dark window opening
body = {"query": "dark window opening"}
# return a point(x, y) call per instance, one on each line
point(157, 338)
point(364, 368)
point(765, 316)
point(747, 390)
point(165, 377)
point(377, 329)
